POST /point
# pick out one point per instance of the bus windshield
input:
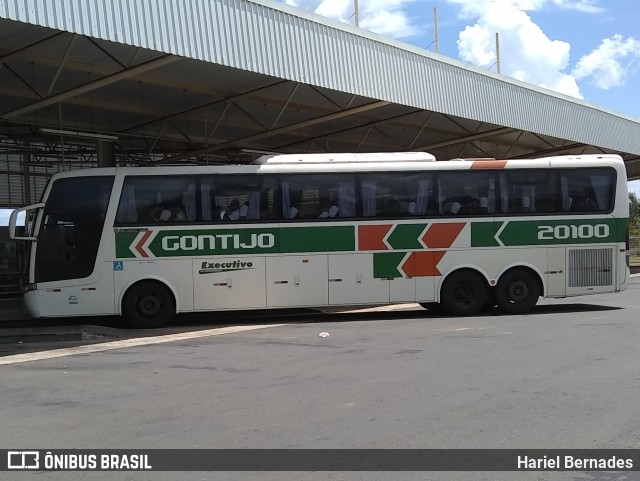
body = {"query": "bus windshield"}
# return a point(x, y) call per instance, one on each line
point(71, 228)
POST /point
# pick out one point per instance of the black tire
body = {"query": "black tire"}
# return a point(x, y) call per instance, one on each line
point(464, 293)
point(517, 291)
point(148, 305)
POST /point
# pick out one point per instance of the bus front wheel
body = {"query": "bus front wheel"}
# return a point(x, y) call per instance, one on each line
point(464, 293)
point(517, 291)
point(148, 305)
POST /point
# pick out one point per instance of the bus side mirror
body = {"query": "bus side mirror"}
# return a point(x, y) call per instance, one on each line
point(14, 219)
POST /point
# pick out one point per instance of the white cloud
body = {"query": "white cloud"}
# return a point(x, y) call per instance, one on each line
point(338, 9)
point(392, 24)
point(472, 8)
point(603, 64)
point(526, 52)
point(586, 6)
point(386, 17)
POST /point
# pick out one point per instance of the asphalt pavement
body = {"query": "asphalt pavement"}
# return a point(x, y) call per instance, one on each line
point(565, 376)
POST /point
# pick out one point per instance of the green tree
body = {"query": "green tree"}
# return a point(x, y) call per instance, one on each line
point(634, 214)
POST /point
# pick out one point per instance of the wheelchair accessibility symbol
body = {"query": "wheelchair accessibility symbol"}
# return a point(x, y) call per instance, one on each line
point(118, 265)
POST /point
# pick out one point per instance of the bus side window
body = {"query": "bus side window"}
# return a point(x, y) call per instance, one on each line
point(583, 200)
point(157, 199)
point(589, 190)
point(529, 191)
point(237, 197)
point(318, 196)
point(393, 195)
point(468, 193)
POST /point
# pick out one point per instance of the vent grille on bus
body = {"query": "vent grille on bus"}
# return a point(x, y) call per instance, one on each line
point(590, 267)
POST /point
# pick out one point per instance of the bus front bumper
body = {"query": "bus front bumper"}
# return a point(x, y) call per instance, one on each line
point(31, 304)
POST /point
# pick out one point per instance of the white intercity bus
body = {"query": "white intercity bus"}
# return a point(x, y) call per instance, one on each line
point(323, 230)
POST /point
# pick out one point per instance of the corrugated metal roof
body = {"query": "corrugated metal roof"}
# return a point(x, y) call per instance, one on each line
point(281, 41)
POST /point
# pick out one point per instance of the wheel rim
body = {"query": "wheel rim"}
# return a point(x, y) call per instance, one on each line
point(149, 305)
point(518, 291)
point(464, 293)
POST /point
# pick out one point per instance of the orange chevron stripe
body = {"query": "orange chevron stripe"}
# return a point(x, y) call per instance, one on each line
point(442, 235)
point(488, 164)
point(370, 237)
point(423, 264)
point(141, 242)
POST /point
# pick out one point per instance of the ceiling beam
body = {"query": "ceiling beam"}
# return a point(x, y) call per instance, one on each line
point(555, 150)
point(27, 49)
point(366, 125)
point(64, 59)
point(103, 82)
point(279, 130)
point(213, 103)
point(465, 138)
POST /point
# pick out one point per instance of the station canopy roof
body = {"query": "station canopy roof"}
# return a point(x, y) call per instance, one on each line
point(206, 81)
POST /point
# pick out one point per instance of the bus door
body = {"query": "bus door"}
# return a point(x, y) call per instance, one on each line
point(69, 274)
point(30, 218)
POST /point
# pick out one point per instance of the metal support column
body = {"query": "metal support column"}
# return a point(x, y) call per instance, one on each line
point(26, 176)
point(106, 154)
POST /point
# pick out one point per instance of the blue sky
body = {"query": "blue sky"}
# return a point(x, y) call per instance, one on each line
point(589, 49)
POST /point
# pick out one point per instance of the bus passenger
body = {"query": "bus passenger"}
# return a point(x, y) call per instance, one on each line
point(484, 205)
point(179, 214)
point(583, 201)
point(161, 214)
point(452, 208)
point(233, 212)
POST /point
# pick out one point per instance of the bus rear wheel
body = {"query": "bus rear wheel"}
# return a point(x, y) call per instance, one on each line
point(464, 293)
point(148, 305)
point(517, 291)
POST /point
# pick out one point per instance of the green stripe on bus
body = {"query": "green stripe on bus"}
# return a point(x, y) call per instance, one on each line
point(317, 239)
point(123, 242)
point(290, 240)
point(386, 264)
point(406, 236)
point(548, 232)
point(211, 242)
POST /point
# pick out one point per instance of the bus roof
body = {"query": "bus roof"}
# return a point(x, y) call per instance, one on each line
point(346, 158)
point(378, 162)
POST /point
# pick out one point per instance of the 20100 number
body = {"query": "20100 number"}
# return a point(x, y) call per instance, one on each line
point(583, 231)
